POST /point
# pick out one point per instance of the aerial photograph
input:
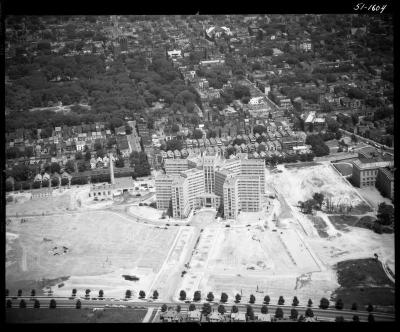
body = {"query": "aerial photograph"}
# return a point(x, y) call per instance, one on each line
point(199, 168)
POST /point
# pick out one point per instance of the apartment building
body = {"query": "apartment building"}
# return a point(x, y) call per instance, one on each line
point(180, 197)
point(186, 189)
point(254, 167)
point(163, 184)
point(176, 166)
point(239, 183)
point(209, 166)
point(241, 194)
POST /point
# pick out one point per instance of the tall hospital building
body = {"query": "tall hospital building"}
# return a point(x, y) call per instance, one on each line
point(238, 184)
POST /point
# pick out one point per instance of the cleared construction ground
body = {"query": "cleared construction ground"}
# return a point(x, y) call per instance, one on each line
point(279, 251)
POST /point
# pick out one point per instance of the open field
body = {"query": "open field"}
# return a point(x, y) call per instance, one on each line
point(364, 281)
point(94, 249)
point(71, 315)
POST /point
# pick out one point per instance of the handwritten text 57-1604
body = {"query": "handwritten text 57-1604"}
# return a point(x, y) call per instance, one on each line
point(370, 8)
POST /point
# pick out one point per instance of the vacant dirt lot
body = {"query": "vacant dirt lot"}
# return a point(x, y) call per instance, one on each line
point(93, 248)
point(299, 184)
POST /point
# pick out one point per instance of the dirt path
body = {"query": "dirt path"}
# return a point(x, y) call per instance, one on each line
point(23, 260)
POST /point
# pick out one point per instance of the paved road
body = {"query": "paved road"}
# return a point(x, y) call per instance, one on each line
point(327, 314)
point(369, 141)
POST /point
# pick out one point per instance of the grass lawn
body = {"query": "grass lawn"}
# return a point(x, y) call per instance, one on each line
point(320, 226)
point(344, 169)
point(341, 222)
point(364, 281)
point(72, 315)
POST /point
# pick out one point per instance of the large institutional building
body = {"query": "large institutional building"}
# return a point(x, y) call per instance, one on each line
point(238, 184)
point(371, 169)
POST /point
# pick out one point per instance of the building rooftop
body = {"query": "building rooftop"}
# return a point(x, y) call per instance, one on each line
point(389, 173)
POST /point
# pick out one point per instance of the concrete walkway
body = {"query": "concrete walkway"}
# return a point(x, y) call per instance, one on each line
point(148, 315)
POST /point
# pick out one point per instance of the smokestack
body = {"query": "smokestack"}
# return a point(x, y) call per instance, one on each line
point(111, 169)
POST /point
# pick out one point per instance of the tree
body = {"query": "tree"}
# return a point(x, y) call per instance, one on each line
point(19, 293)
point(332, 125)
point(178, 308)
point(259, 129)
point(240, 91)
point(9, 303)
point(310, 303)
point(81, 167)
point(88, 155)
point(164, 308)
point(267, 299)
point(87, 292)
point(385, 214)
point(252, 299)
point(142, 294)
point(22, 304)
point(197, 134)
point(249, 312)
point(210, 297)
point(70, 167)
point(294, 314)
point(370, 308)
point(155, 295)
point(281, 300)
point(295, 301)
point(356, 318)
point(354, 138)
point(278, 313)
point(54, 182)
point(55, 167)
point(264, 309)
point(339, 319)
point(74, 292)
point(206, 310)
point(354, 306)
point(221, 309)
point(52, 304)
point(182, 295)
point(238, 297)
point(101, 293)
point(309, 313)
point(197, 296)
point(128, 294)
point(175, 128)
point(78, 304)
point(192, 307)
point(234, 309)
point(120, 162)
point(224, 297)
point(324, 303)
point(339, 304)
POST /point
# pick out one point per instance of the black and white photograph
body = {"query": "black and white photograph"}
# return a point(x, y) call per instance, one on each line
point(199, 168)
